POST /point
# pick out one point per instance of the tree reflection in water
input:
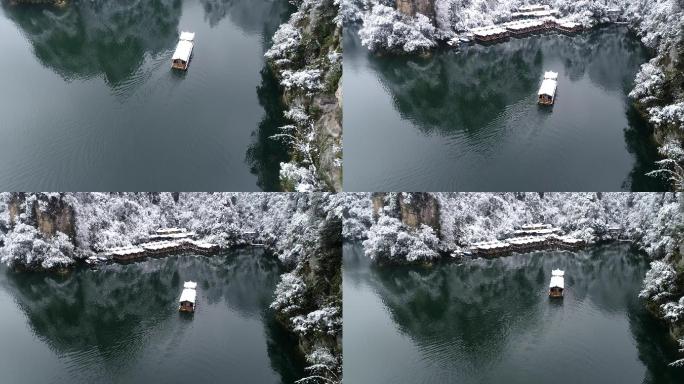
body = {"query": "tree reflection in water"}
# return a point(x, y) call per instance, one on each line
point(476, 318)
point(102, 321)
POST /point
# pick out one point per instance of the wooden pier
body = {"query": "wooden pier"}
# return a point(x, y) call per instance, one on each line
point(490, 34)
point(528, 238)
point(529, 19)
point(163, 242)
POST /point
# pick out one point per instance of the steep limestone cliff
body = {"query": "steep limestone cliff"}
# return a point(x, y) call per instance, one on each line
point(306, 57)
point(411, 7)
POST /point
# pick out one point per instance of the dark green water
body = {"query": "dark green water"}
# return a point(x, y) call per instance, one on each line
point(469, 121)
point(89, 101)
point(120, 324)
point(491, 321)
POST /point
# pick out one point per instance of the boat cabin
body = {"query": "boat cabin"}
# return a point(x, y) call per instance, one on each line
point(181, 57)
point(547, 91)
point(557, 284)
point(188, 297)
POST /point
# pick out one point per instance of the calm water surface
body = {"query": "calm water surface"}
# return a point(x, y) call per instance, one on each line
point(120, 324)
point(469, 120)
point(491, 321)
point(89, 101)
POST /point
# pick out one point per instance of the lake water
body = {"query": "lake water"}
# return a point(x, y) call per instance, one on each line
point(491, 321)
point(89, 100)
point(469, 121)
point(120, 324)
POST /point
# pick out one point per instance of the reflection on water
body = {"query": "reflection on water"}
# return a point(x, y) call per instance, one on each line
point(91, 38)
point(122, 321)
point(264, 155)
point(492, 321)
point(109, 38)
point(252, 16)
point(91, 103)
point(469, 112)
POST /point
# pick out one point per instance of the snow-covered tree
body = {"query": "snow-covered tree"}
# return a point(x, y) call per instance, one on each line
point(659, 282)
point(385, 28)
point(306, 58)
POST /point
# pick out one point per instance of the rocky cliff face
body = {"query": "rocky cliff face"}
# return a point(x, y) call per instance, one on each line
point(306, 57)
point(411, 7)
point(413, 209)
point(48, 213)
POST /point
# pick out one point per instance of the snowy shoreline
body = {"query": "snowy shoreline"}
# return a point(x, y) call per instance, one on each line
point(658, 24)
point(57, 231)
point(427, 228)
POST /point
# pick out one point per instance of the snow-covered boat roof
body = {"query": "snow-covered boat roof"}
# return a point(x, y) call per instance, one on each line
point(122, 251)
point(172, 235)
point(490, 244)
point(544, 231)
point(567, 23)
point(536, 226)
point(533, 7)
point(188, 295)
point(183, 50)
point(557, 282)
point(201, 244)
point(190, 285)
point(489, 31)
point(163, 231)
point(524, 24)
point(570, 240)
point(159, 245)
point(527, 240)
point(548, 87)
point(188, 36)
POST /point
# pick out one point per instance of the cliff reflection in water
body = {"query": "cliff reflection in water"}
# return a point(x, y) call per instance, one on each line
point(112, 38)
point(473, 113)
point(117, 113)
point(93, 38)
point(107, 320)
point(251, 16)
point(466, 90)
point(490, 320)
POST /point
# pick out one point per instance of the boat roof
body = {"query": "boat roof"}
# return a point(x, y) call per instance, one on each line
point(183, 50)
point(190, 285)
point(557, 282)
point(548, 87)
point(533, 7)
point(489, 30)
point(188, 295)
point(557, 272)
point(551, 75)
point(170, 230)
point(189, 36)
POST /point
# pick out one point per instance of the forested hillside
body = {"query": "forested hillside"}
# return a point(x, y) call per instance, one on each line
point(41, 231)
point(426, 227)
